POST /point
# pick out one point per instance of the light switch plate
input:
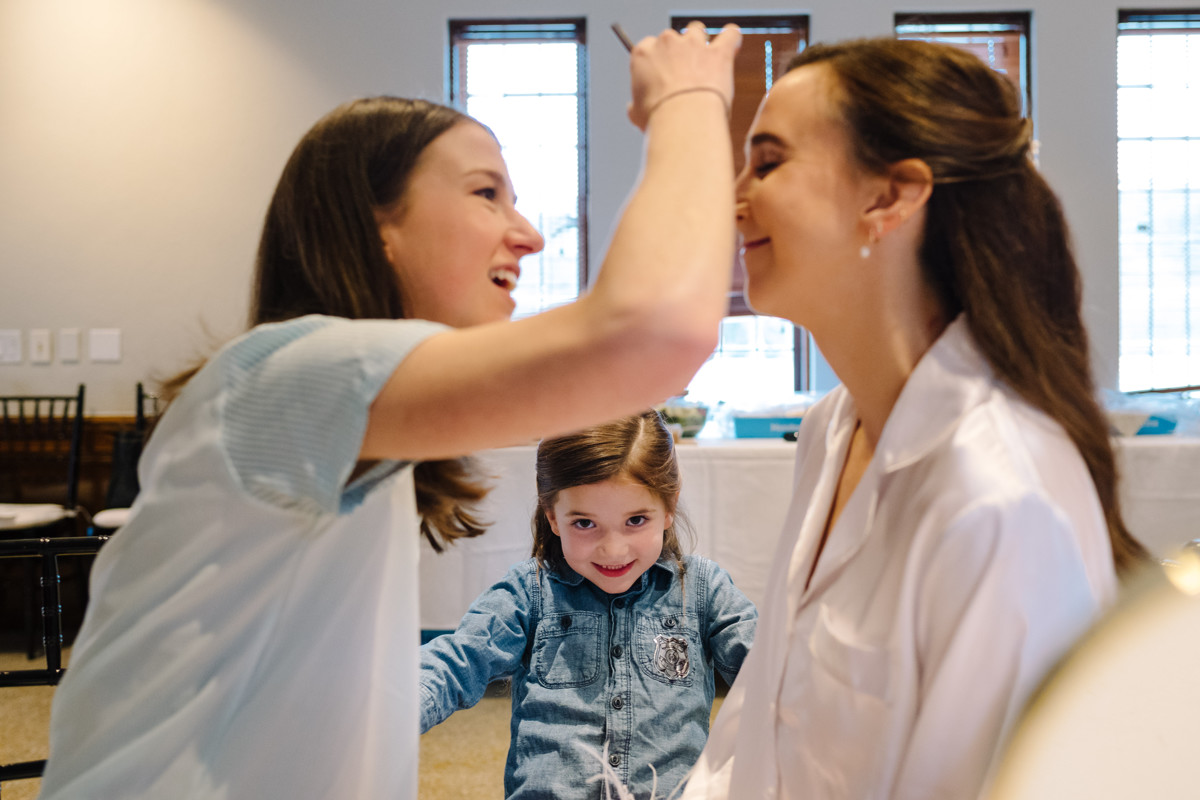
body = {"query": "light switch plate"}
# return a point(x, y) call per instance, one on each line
point(40, 351)
point(68, 345)
point(104, 344)
point(10, 346)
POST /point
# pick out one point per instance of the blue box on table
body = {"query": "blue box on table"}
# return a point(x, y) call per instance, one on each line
point(764, 427)
point(1157, 426)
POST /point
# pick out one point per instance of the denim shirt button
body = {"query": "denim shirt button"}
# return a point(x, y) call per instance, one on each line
point(616, 651)
point(565, 621)
point(669, 622)
point(620, 603)
point(615, 760)
point(617, 703)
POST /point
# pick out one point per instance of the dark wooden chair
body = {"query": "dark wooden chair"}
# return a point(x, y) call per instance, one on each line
point(40, 442)
point(44, 552)
point(123, 486)
point(40, 438)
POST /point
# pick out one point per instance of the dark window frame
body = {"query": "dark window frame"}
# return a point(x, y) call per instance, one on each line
point(1019, 20)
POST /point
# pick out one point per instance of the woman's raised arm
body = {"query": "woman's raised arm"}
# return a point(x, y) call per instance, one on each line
point(647, 324)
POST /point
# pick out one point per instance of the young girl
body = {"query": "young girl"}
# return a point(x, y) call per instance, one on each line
point(609, 633)
point(252, 630)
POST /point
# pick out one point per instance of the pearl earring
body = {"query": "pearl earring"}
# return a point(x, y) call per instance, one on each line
point(873, 235)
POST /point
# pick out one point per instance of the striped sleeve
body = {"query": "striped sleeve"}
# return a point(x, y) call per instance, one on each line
point(295, 397)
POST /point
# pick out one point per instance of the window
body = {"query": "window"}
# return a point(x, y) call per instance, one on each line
point(526, 81)
point(1001, 40)
point(757, 357)
point(1158, 180)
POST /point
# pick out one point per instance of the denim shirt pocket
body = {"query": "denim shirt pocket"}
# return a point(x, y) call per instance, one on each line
point(667, 647)
point(566, 650)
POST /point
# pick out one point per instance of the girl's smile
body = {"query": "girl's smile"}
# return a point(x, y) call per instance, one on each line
point(614, 572)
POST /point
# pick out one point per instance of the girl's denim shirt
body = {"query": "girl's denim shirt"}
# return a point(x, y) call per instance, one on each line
point(632, 671)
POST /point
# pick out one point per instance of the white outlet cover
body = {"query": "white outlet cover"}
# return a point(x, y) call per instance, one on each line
point(10, 346)
point(104, 344)
point(68, 345)
point(40, 349)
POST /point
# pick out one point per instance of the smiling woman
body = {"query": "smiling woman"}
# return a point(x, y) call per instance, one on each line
point(954, 524)
point(281, 491)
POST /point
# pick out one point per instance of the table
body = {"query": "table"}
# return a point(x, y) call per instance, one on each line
point(736, 494)
point(1160, 490)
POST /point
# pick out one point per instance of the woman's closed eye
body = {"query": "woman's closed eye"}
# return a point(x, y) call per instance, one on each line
point(765, 155)
point(763, 168)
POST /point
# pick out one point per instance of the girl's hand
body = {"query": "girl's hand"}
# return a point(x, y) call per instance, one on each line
point(673, 63)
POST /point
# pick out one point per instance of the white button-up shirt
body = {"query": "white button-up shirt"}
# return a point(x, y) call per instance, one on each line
point(970, 556)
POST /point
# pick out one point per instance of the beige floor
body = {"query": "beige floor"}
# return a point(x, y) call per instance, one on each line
point(24, 721)
point(461, 759)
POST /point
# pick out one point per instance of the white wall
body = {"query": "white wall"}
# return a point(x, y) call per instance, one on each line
point(140, 141)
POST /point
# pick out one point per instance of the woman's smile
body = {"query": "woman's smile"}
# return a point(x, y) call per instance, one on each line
point(505, 277)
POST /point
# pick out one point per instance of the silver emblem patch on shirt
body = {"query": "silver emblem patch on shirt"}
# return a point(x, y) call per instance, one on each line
point(671, 656)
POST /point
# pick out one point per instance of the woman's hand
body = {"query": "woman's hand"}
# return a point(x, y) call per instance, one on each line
point(672, 63)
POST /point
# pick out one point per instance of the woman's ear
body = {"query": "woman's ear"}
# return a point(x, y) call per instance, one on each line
point(389, 234)
point(913, 182)
point(905, 190)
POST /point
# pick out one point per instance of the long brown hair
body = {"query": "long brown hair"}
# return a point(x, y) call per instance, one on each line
point(996, 244)
point(638, 448)
point(321, 253)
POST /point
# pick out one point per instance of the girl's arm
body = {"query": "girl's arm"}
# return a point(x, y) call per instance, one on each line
point(488, 645)
point(649, 321)
point(731, 622)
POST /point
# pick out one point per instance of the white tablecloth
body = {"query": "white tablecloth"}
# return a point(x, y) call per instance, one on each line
point(736, 494)
point(1160, 490)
